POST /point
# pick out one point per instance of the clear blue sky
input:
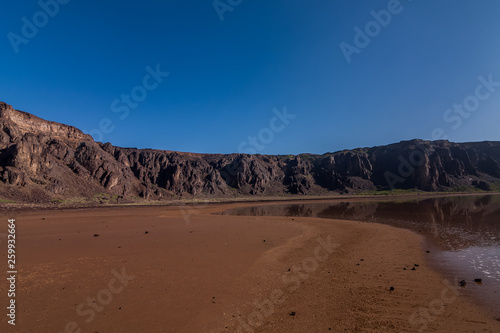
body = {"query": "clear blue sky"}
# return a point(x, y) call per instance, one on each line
point(226, 77)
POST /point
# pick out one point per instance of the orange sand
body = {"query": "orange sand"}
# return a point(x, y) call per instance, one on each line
point(198, 272)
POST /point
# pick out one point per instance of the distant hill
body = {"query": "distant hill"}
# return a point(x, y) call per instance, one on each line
point(42, 161)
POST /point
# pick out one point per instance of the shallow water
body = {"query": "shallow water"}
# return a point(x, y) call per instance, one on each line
point(462, 233)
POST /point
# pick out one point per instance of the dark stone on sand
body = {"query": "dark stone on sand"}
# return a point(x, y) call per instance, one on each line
point(96, 235)
point(391, 288)
point(462, 283)
point(478, 280)
point(404, 269)
point(416, 265)
point(292, 313)
point(146, 232)
point(413, 269)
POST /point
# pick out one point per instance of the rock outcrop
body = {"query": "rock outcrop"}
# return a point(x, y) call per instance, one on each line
point(42, 160)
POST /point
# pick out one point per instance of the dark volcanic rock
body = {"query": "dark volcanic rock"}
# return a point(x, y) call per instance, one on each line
point(41, 160)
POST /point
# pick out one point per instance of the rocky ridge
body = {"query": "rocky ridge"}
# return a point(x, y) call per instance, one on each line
point(42, 161)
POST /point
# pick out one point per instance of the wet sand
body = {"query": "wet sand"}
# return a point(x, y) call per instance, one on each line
point(461, 232)
point(171, 269)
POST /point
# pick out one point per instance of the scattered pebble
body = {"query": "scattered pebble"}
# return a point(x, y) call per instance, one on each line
point(391, 288)
point(96, 235)
point(462, 283)
point(146, 232)
point(428, 251)
point(413, 269)
point(416, 265)
point(478, 280)
point(292, 313)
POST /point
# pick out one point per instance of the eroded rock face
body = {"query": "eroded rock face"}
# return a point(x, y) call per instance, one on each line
point(41, 160)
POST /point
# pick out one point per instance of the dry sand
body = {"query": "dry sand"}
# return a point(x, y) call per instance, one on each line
point(197, 272)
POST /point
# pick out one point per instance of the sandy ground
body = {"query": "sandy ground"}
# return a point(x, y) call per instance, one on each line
point(171, 269)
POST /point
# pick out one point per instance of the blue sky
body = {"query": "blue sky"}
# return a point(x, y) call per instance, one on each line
point(227, 76)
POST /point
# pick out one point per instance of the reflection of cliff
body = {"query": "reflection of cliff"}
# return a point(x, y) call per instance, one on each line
point(341, 210)
point(454, 222)
point(350, 211)
point(276, 210)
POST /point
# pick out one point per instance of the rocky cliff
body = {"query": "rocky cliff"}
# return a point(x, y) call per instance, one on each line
point(42, 160)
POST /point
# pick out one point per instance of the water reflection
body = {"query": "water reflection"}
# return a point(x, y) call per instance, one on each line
point(465, 231)
point(453, 223)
